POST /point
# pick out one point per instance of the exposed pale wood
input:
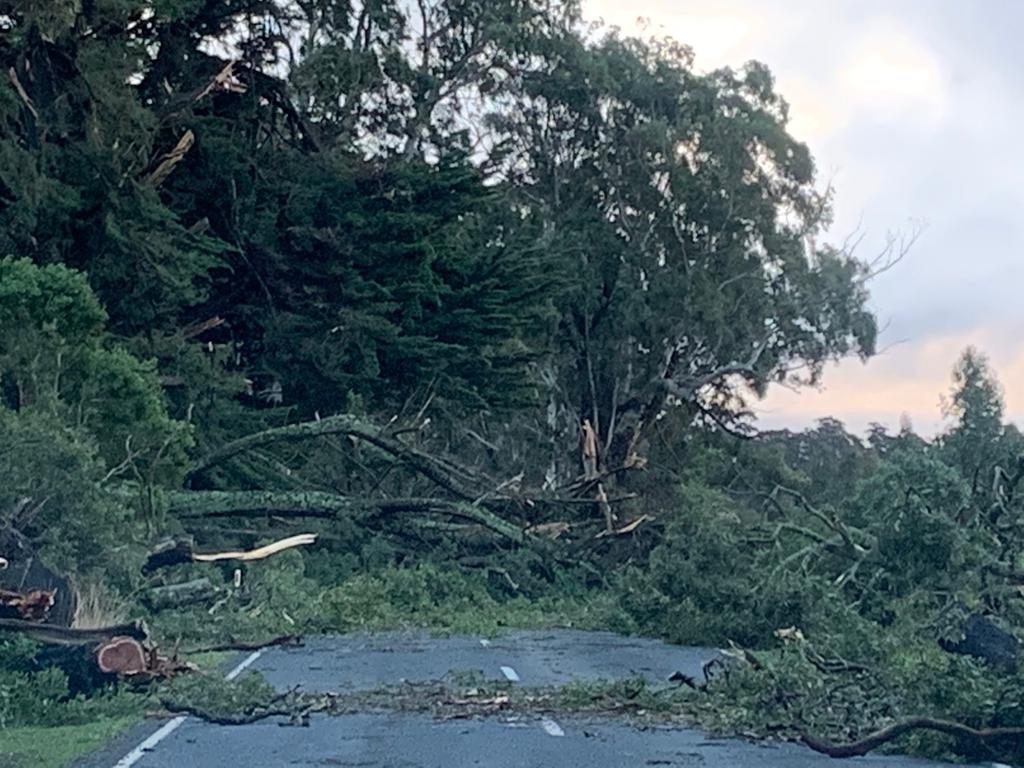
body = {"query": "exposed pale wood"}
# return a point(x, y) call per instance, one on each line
point(259, 553)
point(121, 656)
point(171, 159)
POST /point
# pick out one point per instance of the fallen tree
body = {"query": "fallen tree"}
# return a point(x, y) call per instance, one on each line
point(319, 504)
point(445, 473)
point(91, 657)
point(54, 634)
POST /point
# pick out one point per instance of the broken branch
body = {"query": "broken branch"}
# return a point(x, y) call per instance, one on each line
point(894, 731)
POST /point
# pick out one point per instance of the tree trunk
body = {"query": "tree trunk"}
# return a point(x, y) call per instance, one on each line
point(178, 595)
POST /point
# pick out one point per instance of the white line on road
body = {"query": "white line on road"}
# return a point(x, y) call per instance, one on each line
point(244, 665)
point(510, 674)
point(551, 728)
point(136, 754)
point(149, 743)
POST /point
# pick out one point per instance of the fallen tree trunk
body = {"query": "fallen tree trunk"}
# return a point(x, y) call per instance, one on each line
point(57, 635)
point(444, 473)
point(93, 657)
point(178, 595)
point(884, 735)
point(121, 655)
point(319, 504)
point(168, 553)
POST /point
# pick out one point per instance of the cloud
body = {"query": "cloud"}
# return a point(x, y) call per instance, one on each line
point(905, 379)
point(893, 75)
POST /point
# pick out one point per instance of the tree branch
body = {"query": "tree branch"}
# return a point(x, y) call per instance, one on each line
point(318, 504)
point(894, 731)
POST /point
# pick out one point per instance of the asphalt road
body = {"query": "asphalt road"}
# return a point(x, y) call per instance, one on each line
point(417, 741)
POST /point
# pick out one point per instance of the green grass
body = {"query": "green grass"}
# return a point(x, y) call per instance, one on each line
point(94, 722)
point(57, 746)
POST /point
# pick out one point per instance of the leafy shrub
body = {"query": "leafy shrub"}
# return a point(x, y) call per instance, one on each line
point(34, 696)
point(703, 584)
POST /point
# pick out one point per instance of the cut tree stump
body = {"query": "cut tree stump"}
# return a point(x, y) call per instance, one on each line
point(122, 656)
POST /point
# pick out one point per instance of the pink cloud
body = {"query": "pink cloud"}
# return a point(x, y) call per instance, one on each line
point(905, 379)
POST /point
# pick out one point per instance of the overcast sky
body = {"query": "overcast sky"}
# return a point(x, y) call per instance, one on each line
point(913, 110)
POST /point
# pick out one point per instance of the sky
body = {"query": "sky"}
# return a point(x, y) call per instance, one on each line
point(912, 110)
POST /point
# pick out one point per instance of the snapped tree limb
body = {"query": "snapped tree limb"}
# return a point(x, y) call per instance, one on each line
point(894, 731)
point(443, 473)
point(319, 504)
point(176, 551)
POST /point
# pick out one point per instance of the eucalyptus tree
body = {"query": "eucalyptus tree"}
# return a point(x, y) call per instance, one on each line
point(688, 218)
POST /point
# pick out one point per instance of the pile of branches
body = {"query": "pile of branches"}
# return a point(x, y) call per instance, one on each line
point(449, 497)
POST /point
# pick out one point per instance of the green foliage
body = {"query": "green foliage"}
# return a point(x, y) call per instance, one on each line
point(51, 496)
point(501, 222)
point(702, 583)
point(56, 360)
point(280, 596)
point(35, 696)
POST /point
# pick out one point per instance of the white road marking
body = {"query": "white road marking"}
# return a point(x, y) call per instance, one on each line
point(485, 642)
point(551, 728)
point(244, 664)
point(136, 754)
point(148, 744)
point(510, 674)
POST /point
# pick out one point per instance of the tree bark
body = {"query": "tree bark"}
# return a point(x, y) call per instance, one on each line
point(49, 633)
point(177, 595)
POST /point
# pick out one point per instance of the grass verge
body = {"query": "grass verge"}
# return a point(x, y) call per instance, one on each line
point(58, 746)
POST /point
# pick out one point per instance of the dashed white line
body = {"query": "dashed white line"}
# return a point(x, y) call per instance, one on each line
point(149, 743)
point(551, 728)
point(510, 674)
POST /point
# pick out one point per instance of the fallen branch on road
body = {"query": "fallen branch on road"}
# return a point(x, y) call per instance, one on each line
point(894, 731)
point(291, 641)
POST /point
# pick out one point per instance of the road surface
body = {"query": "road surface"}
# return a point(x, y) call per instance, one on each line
point(395, 740)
